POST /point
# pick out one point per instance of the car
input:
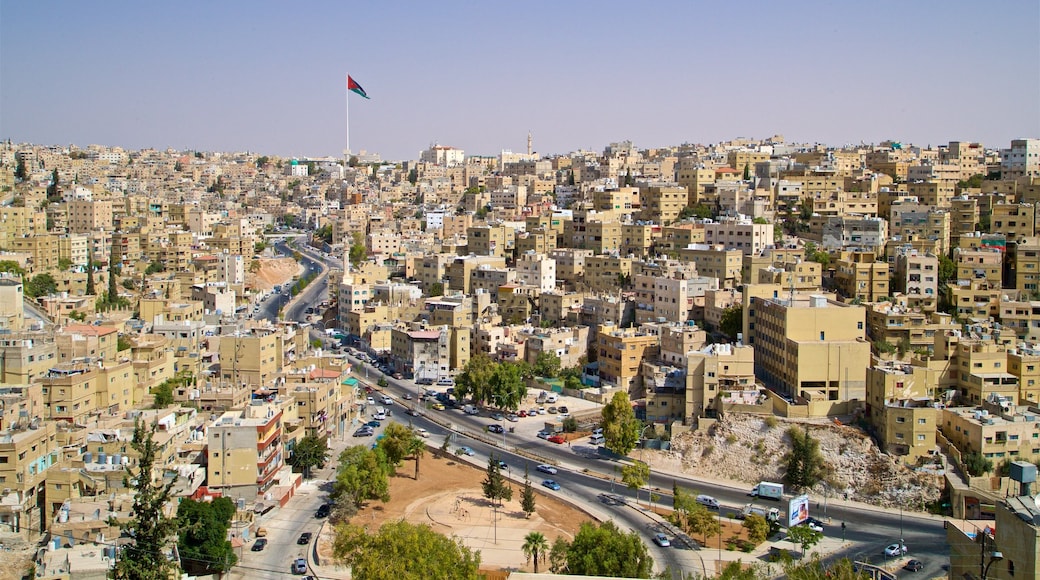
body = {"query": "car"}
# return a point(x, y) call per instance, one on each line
point(398, 376)
point(370, 400)
point(557, 439)
point(497, 416)
point(547, 469)
point(259, 545)
point(323, 511)
point(407, 396)
point(379, 416)
point(304, 539)
point(523, 413)
point(895, 549)
point(914, 565)
point(465, 451)
point(495, 428)
point(299, 566)
point(363, 432)
point(563, 410)
point(412, 412)
point(541, 410)
point(512, 418)
point(662, 540)
point(422, 432)
point(551, 485)
point(373, 423)
point(532, 412)
point(544, 434)
point(386, 400)
point(502, 464)
point(553, 410)
point(814, 524)
point(424, 381)
point(446, 382)
point(438, 407)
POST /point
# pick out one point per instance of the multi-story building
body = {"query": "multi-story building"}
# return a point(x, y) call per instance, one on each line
point(1024, 363)
point(570, 344)
point(251, 358)
point(662, 202)
point(715, 262)
point(86, 215)
point(740, 234)
point(916, 273)
point(905, 327)
point(421, 352)
point(1022, 159)
point(1000, 431)
point(1014, 220)
point(1026, 259)
point(983, 371)
point(899, 405)
point(860, 275)
point(811, 346)
point(713, 369)
point(570, 264)
point(606, 273)
point(244, 451)
point(850, 233)
point(28, 451)
point(620, 353)
point(536, 270)
point(915, 221)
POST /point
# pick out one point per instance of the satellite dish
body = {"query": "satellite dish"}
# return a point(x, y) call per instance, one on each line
point(1036, 500)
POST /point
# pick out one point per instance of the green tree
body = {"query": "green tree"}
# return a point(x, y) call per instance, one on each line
point(747, 172)
point(977, 464)
point(507, 384)
point(805, 465)
point(558, 555)
point(475, 379)
point(757, 528)
point(735, 570)
point(19, 168)
point(535, 547)
point(620, 426)
point(635, 475)
point(358, 251)
point(91, 289)
point(123, 343)
point(947, 269)
point(494, 485)
point(310, 452)
point(804, 537)
point(53, 195)
point(815, 569)
point(40, 285)
point(154, 267)
point(416, 447)
point(436, 289)
point(262, 161)
point(731, 323)
point(203, 545)
point(547, 365)
point(527, 496)
point(395, 442)
point(413, 176)
point(404, 551)
point(162, 395)
point(77, 316)
point(151, 530)
point(362, 475)
point(692, 517)
point(604, 550)
point(12, 267)
point(113, 291)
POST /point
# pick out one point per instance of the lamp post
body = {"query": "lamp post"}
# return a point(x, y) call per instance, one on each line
point(498, 402)
point(649, 472)
point(995, 556)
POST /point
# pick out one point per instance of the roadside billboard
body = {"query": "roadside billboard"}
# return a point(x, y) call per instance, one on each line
point(797, 510)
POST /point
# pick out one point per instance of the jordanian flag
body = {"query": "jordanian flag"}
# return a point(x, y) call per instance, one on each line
point(353, 86)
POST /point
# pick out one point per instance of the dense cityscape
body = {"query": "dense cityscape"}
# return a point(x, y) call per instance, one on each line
point(741, 360)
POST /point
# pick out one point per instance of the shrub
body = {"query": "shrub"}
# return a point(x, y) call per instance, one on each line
point(771, 422)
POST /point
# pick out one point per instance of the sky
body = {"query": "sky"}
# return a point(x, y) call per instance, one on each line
point(270, 77)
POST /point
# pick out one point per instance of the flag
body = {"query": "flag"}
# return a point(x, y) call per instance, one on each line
point(353, 86)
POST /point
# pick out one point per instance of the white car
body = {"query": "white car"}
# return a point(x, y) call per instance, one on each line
point(544, 434)
point(894, 550)
point(422, 432)
point(387, 400)
point(370, 401)
point(547, 469)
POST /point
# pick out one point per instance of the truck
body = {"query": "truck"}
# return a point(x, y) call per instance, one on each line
point(771, 514)
point(768, 490)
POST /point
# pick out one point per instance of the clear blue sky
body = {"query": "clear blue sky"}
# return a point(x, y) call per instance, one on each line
point(270, 77)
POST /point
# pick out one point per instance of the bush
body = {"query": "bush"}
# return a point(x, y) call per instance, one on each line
point(771, 422)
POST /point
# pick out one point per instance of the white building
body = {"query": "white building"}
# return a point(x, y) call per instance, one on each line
point(1021, 160)
point(533, 269)
point(739, 234)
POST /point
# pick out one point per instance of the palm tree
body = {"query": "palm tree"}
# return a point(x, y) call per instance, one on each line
point(416, 447)
point(535, 547)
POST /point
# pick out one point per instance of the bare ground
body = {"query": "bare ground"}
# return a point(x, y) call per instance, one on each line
point(273, 271)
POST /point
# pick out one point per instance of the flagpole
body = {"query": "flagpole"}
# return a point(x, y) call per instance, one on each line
point(346, 107)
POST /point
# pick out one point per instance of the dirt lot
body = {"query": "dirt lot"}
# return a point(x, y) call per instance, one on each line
point(448, 497)
point(273, 271)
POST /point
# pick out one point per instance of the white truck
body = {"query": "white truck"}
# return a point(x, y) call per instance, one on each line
point(768, 490)
point(771, 514)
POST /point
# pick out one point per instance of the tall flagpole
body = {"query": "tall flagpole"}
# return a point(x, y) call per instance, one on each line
point(346, 107)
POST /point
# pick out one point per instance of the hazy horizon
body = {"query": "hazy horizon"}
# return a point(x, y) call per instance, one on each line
point(271, 78)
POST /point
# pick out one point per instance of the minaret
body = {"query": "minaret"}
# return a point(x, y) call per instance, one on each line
point(528, 142)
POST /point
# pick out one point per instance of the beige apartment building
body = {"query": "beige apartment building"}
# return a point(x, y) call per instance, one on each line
point(976, 300)
point(904, 327)
point(715, 262)
point(244, 451)
point(1000, 431)
point(915, 273)
point(661, 202)
point(1014, 220)
point(1026, 258)
point(1024, 363)
point(604, 273)
point(570, 344)
point(899, 406)
point(744, 235)
point(811, 347)
point(713, 369)
point(983, 372)
point(859, 275)
point(421, 352)
point(251, 358)
point(570, 264)
point(620, 354)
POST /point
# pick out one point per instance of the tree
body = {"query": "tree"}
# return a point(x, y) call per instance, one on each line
point(977, 464)
point(11, 267)
point(358, 251)
point(692, 517)
point(604, 550)
point(91, 290)
point(805, 466)
point(19, 168)
point(731, 323)
point(527, 498)
point(535, 547)
point(53, 195)
point(815, 569)
point(494, 484)
point(77, 315)
point(635, 476)
point(757, 528)
point(804, 536)
point(203, 544)
point(162, 395)
point(416, 447)
point(620, 426)
point(40, 285)
point(113, 291)
point(747, 172)
point(310, 452)
point(507, 384)
point(547, 365)
point(361, 476)
point(151, 530)
point(404, 551)
point(154, 267)
point(436, 289)
point(395, 443)
point(475, 379)
point(947, 269)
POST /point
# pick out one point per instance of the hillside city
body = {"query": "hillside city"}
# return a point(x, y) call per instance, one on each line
point(882, 299)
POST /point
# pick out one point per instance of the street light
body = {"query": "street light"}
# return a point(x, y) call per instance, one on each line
point(995, 556)
point(649, 472)
point(498, 402)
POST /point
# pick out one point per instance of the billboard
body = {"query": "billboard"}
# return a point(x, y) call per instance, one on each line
point(797, 510)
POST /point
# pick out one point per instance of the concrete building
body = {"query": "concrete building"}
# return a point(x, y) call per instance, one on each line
point(899, 406)
point(740, 234)
point(620, 354)
point(1022, 159)
point(244, 451)
point(421, 352)
point(713, 369)
point(860, 276)
point(915, 273)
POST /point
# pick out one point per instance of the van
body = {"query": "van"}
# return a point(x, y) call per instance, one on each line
point(551, 398)
point(470, 409)
point(596, 439)
point(446, 382)
point(597, 431)
point(708, 502)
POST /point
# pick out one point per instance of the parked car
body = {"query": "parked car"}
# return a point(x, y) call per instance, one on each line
point(553, 410)
point(662, 540)
point(497, 416)
point(323, 511)
point(259, 545)
point(446, 382)
point(541, 410)
point(563, 410)
point(495, 428)
point(373, 423)
point(523, 413)
point(551, 485)
point(544, 434)
point(547, 469)
point(304, 539)
point(895, 549)
point(365, 431)
point(914, 565)
point(422, 432)
point(299, 566)
point(512, 418)
point(424, 381)
point(557, 439)
point(465, 450)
